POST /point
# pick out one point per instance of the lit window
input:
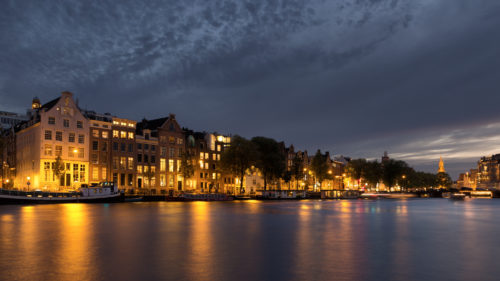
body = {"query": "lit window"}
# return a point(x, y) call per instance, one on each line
point(171, 139)
point(104, 135)
point(123, 134)
point(130, 163)
point(58, 150)
point(123, 124)
point(170, 165)
point(139, 169)
point(95, 133)
point(201, 165)
point(163, 165)
point(178, 165)
point(116, 123)
point(48, 150)
point(115, 133)
point(218, 147)
point(95, 174)
point(103, 173)
point(131, 135)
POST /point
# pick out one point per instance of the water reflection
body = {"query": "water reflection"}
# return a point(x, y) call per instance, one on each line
point(302, 240)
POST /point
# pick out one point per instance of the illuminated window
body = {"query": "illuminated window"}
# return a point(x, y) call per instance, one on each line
point(95, 174)
point(139, 169)
point(104, 135)
point(103, 173)
point(201, 165)
point(131, 125)
point(201, 155)
point(206, 165)
point(214, 156)
point(48, 134)
point(171, 182)
point(58, 150)
point(115, 133)
point(153, 169)
point(214, 176)
point(178, 165)
point(171, 139)
point(131, 135)
point(218, 147)
point(163, 165)
point(130, 163)
point(170, 165)
point(123, 124)
point(116, 123)
point(180, 141)
point(48, 150)
point(82, 173)
point(123, 162)
point(206, 156)
point(95, 133)
point(162, 180)
point(218, 157)
point(75, 172)
point(123, 134)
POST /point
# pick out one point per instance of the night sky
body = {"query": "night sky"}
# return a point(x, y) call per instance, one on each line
point(419, 79)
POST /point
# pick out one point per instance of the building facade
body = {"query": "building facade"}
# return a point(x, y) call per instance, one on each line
point(52, 146)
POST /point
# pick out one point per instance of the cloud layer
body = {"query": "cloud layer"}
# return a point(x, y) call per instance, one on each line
point(355, 77)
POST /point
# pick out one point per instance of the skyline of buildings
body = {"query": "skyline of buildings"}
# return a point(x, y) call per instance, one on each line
point(144, 154)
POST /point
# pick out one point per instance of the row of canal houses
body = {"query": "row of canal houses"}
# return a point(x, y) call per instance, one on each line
point(59, 146)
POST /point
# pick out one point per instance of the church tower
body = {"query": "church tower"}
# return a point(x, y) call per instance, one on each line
point(441, 166)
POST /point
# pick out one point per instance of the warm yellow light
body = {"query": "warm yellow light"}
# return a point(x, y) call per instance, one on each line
point(305, 169)
point(28, 178)
point(75, 151)
point(330, 172)
point(7, 181)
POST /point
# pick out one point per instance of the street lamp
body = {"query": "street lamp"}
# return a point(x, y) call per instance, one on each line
point(28, 183)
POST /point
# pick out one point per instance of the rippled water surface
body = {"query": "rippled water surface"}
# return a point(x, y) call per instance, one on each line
point(425, 239)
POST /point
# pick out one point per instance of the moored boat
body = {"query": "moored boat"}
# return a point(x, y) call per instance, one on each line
point(457, 196)
point(101, 193)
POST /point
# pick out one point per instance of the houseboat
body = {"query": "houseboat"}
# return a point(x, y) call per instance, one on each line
point(104, 192)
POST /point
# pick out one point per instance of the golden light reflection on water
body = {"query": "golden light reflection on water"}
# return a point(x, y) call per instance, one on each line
point(200, 242)
point(74, 255)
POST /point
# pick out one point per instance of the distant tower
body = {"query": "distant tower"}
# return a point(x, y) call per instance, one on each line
point(441, 166)
point(385, 158)
point(35, 104)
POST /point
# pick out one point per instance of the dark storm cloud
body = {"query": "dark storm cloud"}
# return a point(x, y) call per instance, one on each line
point(354, 77)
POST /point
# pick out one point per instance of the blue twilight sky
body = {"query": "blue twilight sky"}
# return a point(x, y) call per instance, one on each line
point(419, 79)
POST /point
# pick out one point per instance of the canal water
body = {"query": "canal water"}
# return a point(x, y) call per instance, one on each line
point(420, 239)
